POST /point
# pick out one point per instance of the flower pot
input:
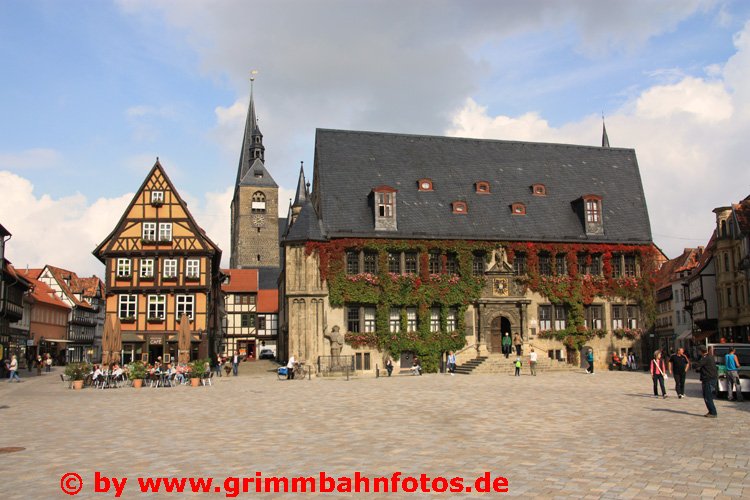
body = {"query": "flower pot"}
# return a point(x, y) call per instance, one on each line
point(138, 383)
point(195, 382)
point(78, 385)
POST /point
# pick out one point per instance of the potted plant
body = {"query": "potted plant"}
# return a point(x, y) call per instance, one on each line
point(136, 373)
point(76, 372)
point(197, 368)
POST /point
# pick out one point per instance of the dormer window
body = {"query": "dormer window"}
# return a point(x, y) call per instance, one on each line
point(385, 208)
point(424, 184)
point(459, 207)
point(157, 198)
point(592, 214)
point(518, 209)
point(482, 187)
point(538, 190)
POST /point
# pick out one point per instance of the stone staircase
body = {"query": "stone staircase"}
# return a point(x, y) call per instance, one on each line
point(471, 365)
point(498, 363)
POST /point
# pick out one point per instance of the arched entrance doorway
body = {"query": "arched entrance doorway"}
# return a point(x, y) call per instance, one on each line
point(498, 327)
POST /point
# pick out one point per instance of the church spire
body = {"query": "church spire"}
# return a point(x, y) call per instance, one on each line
point(605, 139)
point(252, 139)
point(301, 196)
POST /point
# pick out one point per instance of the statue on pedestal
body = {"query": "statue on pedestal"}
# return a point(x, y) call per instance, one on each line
point(337, 341)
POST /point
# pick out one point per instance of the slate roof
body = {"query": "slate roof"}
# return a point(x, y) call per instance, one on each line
point(257, 175)
point(268, 278)
point(307, 225)
point(349, 164)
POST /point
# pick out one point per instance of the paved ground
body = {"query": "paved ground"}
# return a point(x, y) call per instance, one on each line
point(565, 435)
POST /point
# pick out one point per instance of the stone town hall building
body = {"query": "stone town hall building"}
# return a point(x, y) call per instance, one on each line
point(416, 245)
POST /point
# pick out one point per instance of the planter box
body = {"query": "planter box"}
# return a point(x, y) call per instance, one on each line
point(195, 382)
point(138, 383)
point(78, 385)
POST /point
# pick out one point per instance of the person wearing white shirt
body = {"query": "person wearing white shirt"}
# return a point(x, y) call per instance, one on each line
point(451, 363)
point(290, 367)
point(532, 361)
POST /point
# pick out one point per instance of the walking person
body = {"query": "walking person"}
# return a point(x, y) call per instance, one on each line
point(631, 362)
point(506, 345)
point(48, 363)
point(532, 362)
point(590, 360)
point(709, 374)
point(451, 363)
point(658, 373)
point(235, 363)
point(13, 370)
point(732, 363)
point(678, 367)
point(217, 366)
point(518, 367)
point(389, 365)
point(518, 343)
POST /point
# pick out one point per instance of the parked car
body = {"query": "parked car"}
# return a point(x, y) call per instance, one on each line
point(743, 353)
point(266, 354)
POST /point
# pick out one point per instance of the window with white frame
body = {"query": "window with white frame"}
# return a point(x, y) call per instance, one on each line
point(157, 306)
point(127, 305)
point(169, 269)
point(157, 197)
point(193, 268)
point(593, 317)
point(394, 320)
point(632, 312)
point(617, 317)
point(593, 211)
point(147, 268)
point(165, 231)
point(411, 319)
point(149, 231)
point(451, 321)
point(385, 204)
point(561, 318)
point(123, 268)
point(185, 304)
point(545, 318)
point(369, 320)
point(434, 319)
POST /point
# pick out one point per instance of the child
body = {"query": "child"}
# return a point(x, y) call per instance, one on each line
point(518, 367)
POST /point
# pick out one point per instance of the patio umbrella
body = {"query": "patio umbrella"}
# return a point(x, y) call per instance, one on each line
point(116, 340)
point(107, 340)
point(183, 340)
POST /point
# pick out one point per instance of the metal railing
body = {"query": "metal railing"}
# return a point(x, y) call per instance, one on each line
point(329, 365)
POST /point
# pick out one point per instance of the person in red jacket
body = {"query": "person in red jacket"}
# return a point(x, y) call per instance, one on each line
point(658, 373)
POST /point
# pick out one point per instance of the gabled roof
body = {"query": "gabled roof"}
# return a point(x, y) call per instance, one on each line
point(667, 274)
point(43, 293)
point(66, 279)
point(706, 256)
point(240, 281)
point(257, 175)
point(102, 247)
point(15, 274)
point(348, 165)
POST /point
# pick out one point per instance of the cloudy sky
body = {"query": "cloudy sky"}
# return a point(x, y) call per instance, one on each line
point(93, 92)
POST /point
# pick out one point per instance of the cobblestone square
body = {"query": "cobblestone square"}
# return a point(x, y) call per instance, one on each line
point(558, 435)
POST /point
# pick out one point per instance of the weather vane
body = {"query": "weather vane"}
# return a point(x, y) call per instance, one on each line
point(253, 72)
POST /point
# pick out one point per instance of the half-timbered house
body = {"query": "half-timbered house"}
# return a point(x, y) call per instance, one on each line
point(160, 265)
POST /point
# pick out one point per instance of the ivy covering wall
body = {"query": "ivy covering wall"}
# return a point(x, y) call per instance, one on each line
point(423, 290)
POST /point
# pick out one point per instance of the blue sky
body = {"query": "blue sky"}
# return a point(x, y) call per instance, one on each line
point(94, 91)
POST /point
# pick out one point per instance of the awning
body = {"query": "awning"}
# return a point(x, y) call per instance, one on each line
point(684, 335)
point(701, 336)
point(59, 341)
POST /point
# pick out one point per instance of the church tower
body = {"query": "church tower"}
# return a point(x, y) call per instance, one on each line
point(255, 204)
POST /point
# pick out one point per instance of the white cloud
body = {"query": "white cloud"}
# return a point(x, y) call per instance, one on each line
point(62, 231)
point(689, 135)
point(30, 158)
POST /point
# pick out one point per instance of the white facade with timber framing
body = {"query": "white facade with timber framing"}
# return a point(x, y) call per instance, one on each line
point(159, 265)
